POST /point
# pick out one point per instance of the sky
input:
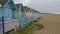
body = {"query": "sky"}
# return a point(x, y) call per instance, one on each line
point(45, 6)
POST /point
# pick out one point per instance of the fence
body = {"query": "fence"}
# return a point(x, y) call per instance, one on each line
point(26, 20)
point(5, 24)
point(8, 25)
point(14, 23)
point(23, 21)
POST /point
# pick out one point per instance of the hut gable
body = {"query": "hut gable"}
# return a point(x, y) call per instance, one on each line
point(18, 5)
point(7, 4)
point(26, 9)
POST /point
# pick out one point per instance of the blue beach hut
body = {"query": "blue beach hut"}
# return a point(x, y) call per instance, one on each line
point(6, 8)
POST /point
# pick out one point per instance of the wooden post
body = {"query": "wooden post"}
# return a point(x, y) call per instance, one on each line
point(3, 25)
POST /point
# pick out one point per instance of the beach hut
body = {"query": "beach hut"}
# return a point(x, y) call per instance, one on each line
point(17, 13)
point(28, 11)
point(35, 14)
point(28, 14)
point(6, 8)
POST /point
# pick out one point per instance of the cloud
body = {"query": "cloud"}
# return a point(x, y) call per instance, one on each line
point(17, 1)
point(52, 6)
point(24, 2)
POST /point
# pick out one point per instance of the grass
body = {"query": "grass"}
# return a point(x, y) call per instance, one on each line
point(28, 29)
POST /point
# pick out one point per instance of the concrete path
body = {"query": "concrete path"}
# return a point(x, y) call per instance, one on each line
point(51, 23)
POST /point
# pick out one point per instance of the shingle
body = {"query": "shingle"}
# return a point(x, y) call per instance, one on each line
point(3, 2)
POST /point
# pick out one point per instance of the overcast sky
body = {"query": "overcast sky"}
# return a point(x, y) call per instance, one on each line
point(46, 6)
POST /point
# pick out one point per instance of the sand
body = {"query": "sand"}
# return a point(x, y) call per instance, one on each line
point(51, 23)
